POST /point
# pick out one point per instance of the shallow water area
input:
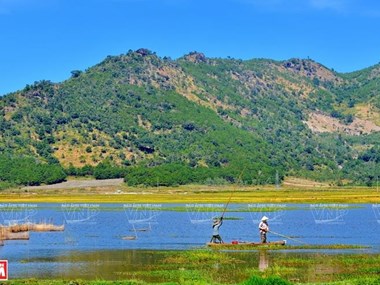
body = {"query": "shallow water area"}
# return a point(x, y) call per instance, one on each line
point(123, 241)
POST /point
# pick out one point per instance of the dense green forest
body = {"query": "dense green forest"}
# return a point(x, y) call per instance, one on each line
point(159, 121)
point(28, 171)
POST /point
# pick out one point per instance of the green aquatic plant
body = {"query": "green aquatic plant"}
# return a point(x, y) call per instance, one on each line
point(207, 267)
point(273, 280)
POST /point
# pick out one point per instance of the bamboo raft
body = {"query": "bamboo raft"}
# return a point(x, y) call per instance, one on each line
point(21, 231)
point(6, 233)
point(31, 227)
point(46, 228)
point(237, 244)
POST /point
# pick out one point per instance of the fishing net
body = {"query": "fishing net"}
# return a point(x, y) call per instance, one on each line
point(80, 213)
point(376, 211)
point(81, 220)
point(203, 214)
point(12, 214)
point(274, 212)
point(142, 214)
point(329, 213)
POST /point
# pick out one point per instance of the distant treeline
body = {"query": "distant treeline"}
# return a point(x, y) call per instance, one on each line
point(22, 170)
point(173, 174)
point(15, 170)
point(104, 170)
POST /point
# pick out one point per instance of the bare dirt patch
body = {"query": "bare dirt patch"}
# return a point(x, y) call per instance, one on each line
point(320, 123)
point(296, 182)
point(73, 184)
point(368, 112)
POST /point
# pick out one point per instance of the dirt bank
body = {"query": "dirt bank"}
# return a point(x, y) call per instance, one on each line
point(77, 184)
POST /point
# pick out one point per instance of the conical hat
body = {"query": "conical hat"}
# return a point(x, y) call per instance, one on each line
point(265, 218)
point(215, 220)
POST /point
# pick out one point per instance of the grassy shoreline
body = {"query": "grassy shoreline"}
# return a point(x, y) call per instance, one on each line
point(207, 267)
point(262, 267)
point(196, 194)
point(254, 280)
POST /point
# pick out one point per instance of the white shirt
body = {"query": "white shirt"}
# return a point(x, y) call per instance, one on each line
point(263, 227)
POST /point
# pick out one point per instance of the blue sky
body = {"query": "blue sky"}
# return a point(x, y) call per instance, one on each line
point(46, 39)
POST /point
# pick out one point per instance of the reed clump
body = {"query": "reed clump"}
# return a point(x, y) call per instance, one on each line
point(21, 231)
point(6, 233)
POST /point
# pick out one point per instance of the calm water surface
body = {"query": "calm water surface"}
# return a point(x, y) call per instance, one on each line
point(109, 240)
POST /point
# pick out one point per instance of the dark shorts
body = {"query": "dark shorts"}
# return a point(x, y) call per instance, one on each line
point(263, 237)
point(215, 238)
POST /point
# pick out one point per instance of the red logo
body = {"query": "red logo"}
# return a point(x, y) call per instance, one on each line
point(3, 270)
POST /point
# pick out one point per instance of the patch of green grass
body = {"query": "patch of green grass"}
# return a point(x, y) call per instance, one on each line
point(71, 282)
point(239, 267)
point(6, 185)
point(200, 194)
point(243, 247)
point(273, 280)
point(327, 246)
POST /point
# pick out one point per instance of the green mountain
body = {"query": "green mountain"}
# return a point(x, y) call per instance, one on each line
point(199, 119)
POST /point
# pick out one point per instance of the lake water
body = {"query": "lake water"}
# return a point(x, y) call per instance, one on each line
point(112, 234)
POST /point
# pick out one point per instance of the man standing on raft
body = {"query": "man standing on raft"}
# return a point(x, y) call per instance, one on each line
point(264, 228)
point(217, 222)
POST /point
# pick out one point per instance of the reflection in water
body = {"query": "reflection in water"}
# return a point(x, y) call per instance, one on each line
point(107, 264)
point(146, 265)
point(173, 266)
point(263, 260)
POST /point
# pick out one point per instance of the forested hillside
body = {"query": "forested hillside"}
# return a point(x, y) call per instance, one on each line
point(159, 121)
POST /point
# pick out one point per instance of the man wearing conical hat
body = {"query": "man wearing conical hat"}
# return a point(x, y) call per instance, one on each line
point(264, 228)
point(217, 222)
